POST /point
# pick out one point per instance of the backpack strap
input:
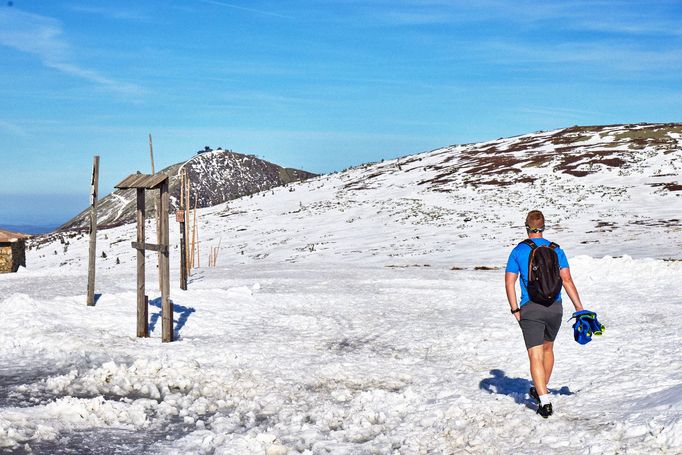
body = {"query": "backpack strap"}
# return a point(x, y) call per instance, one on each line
point(530, 243)
point(533, 246)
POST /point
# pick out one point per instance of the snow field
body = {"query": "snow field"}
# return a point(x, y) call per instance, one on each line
point(346, 317)
point(343, 359)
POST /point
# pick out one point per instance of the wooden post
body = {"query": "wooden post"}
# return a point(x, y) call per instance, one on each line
point(188, 204)
point(151, 153)
point(194, 232)
point(183, 256)
point(180, 217)
point(156, 208)
point(217, 250)
point(187, 212)
point(166, 306)
point(92, 253)
point(142, 324)
point(143, 318)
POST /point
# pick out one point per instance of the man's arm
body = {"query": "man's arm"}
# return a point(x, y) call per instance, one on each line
point(510, 287)
point(570, 288)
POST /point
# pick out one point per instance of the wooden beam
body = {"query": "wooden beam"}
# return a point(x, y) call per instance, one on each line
point(164, 265)
point(92, 253)
point(149, 247)
point(142, 309)
point(188, 206)
point(151, 153)
point(217, 250)
point(156, 205)
point(142, 319)
point(181, 219)
point(194, 232)
point(148, 182)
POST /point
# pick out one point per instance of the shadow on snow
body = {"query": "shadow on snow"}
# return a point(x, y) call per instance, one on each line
point(517, 388)
point(179, 323)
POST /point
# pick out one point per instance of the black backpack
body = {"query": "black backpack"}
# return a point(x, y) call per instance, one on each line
point(544, 281)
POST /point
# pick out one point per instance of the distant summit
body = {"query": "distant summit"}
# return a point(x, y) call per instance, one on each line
point(208, 149)
point(216, 176)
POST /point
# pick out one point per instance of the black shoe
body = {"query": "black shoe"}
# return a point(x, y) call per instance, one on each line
point(534, 394)
point(546, 410)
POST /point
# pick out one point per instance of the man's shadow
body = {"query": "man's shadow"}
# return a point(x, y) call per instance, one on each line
point(517, 388)
point(183, 311)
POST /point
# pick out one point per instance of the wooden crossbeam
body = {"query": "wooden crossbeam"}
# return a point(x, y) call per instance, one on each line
point(143, 181)
point(150, 247)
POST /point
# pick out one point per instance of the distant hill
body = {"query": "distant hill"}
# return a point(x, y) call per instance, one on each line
point(605, 190)
point(216, 176)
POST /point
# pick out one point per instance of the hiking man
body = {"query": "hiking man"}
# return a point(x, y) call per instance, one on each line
point(539, 312)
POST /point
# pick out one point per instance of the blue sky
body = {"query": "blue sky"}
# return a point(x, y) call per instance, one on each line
point(318, 85)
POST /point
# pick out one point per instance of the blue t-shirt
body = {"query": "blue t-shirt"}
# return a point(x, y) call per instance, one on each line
point(518, 263)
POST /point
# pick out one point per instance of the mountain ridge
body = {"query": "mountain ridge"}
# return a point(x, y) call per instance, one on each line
point(605, 191)
point(216, 176)
point(603, 188)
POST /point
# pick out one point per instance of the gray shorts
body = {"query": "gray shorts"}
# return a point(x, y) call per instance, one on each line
point(540, 323)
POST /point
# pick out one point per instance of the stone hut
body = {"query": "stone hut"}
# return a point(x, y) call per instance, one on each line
point(12, 251)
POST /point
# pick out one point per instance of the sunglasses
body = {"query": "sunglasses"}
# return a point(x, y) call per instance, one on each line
point(535, 230)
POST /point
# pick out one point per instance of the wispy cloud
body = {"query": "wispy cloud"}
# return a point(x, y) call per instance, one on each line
point(617, 58)
point(12, 128)
point(43, 37)
point(622, 17)
point(112, 12)
point(243, 8)
point(558, 112)
point(660, 27)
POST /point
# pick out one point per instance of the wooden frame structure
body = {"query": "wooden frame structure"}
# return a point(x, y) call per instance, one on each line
point(142, 182)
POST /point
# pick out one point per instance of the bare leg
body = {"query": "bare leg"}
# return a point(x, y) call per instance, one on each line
point(548, 359)
point(537, 368)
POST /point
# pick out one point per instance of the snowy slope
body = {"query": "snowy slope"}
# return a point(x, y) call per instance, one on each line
point(604, 190)
point(335, 322)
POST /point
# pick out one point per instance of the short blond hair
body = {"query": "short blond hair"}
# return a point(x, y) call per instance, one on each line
point(535, 219)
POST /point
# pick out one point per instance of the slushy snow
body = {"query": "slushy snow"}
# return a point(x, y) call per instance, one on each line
point(339, 359)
